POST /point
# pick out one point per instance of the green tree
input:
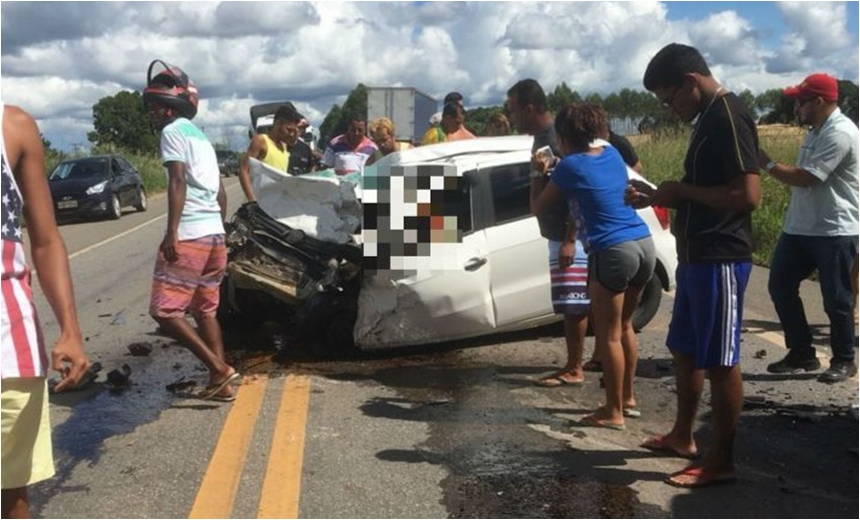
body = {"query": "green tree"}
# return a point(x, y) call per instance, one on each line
point(338, 119)
point(327, 128)
point(594, 99)
point(477, 118)
point(749, 100)
point(121, 121)
point(848, 98)
point(561, 97)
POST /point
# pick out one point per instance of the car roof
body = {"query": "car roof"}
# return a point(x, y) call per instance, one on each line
point(459, 153)
point(91, 157)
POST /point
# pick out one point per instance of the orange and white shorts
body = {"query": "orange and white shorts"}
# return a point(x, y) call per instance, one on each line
point(191, 283)
point(26, 432)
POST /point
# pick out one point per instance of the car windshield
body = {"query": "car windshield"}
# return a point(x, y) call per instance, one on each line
point(80, 169)
point(223, 154)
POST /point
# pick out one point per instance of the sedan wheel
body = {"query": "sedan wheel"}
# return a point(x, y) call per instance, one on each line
point(141, 199)
point(115, 207)
point(649, 303)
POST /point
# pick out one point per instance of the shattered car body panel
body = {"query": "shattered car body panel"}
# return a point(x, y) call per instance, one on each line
point(290, 256)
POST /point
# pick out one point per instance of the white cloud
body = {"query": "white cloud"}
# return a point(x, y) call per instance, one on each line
point(728, 38)
point(818, 40)
point(59, 59)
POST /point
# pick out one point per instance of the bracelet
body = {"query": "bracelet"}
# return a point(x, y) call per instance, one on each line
point(536, 174)
point(769, 166)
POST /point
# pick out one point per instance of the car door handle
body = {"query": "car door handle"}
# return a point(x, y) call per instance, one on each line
point(475, 263)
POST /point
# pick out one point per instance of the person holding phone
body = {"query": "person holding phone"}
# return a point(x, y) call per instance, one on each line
point(568, 259)
point(593, 176)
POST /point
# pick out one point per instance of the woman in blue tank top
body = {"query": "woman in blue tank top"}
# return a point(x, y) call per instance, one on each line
point(593, 176)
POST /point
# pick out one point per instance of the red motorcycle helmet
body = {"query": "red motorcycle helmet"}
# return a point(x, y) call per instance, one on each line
point(172, 89)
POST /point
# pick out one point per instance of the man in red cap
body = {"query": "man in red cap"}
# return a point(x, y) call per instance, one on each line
point(820, 230)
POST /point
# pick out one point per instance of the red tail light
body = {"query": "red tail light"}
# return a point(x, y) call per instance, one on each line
point(662, 216)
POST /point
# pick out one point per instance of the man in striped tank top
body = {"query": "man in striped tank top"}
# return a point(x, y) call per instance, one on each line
point(26, 430)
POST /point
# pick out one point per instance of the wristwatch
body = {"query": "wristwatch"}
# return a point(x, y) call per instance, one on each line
point(536, 174)
point(769, 166)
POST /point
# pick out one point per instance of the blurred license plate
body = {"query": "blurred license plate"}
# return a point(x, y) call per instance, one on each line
point(66, 204)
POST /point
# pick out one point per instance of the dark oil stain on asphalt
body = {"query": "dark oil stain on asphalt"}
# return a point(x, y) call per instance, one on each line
point(99, 413)
point(498, 466)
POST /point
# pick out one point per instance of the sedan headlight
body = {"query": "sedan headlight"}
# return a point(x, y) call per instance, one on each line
point(98, 188)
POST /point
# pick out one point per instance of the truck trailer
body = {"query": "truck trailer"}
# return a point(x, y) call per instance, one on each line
point(408, 108)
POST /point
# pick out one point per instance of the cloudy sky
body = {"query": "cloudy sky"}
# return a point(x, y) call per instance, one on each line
point(60, 58)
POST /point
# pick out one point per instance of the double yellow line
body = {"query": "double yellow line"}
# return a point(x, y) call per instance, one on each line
point(281, 486)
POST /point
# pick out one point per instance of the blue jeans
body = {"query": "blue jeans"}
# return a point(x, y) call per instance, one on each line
point(794, 259)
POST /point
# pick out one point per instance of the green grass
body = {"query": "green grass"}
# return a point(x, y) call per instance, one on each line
point(663, 156)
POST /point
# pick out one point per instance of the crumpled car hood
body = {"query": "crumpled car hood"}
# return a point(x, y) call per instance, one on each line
point(324, 207)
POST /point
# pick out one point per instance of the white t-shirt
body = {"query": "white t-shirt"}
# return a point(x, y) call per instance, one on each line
point(828, 207)
point(182, 141)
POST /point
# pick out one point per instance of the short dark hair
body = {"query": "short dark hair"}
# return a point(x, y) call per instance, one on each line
point(668, 66)
point(529, 92)
point(288, 114)
point(453, 97)
point(580, 124)
point(453, 109)
point(355, 116)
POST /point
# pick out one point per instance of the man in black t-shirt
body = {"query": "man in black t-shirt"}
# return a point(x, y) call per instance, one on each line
point(568, 262)
point(620, 143)
point(713, 232)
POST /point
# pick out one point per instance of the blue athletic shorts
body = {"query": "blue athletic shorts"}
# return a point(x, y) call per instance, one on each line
point(706, 319)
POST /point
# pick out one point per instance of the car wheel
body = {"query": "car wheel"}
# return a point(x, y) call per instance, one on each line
point(141, 199)
point(115, 207)
point(649, 303)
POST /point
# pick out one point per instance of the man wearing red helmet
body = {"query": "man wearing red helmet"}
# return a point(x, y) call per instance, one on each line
point(820, 230)
point(192, 256)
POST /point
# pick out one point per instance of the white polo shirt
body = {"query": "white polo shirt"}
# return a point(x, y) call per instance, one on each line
point(828, 207)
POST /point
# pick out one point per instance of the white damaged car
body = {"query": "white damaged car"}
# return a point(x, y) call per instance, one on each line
point(432, 244)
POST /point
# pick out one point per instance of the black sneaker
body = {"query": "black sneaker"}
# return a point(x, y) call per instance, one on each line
point(838, 372)
point(792, 363)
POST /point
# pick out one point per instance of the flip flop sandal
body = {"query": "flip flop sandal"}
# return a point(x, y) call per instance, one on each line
point(223, 398)
point(702, 478)
point(632, 413)
point(212, 390)
point(592, 421)
point(658, 445)
point(556, 381)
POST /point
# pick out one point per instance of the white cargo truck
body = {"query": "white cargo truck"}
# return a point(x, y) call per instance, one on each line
point(408, 108)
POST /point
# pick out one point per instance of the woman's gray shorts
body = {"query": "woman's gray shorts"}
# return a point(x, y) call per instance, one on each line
point(624, 264)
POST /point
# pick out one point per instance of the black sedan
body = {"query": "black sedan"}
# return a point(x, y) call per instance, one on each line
point(100, 185)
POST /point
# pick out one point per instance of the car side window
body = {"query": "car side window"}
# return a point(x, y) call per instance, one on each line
point(116, 169)
point(125, 165)
point(510, 185)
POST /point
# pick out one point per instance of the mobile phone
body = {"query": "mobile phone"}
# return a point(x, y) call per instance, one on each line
point(545, 153)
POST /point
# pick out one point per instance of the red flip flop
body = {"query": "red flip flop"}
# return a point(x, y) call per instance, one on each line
point(658, 445)
point(702, 478)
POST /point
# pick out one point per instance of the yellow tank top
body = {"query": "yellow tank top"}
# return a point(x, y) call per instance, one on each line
point(275, 157)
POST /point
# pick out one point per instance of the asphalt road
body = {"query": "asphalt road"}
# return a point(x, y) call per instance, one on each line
point(455, 430)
